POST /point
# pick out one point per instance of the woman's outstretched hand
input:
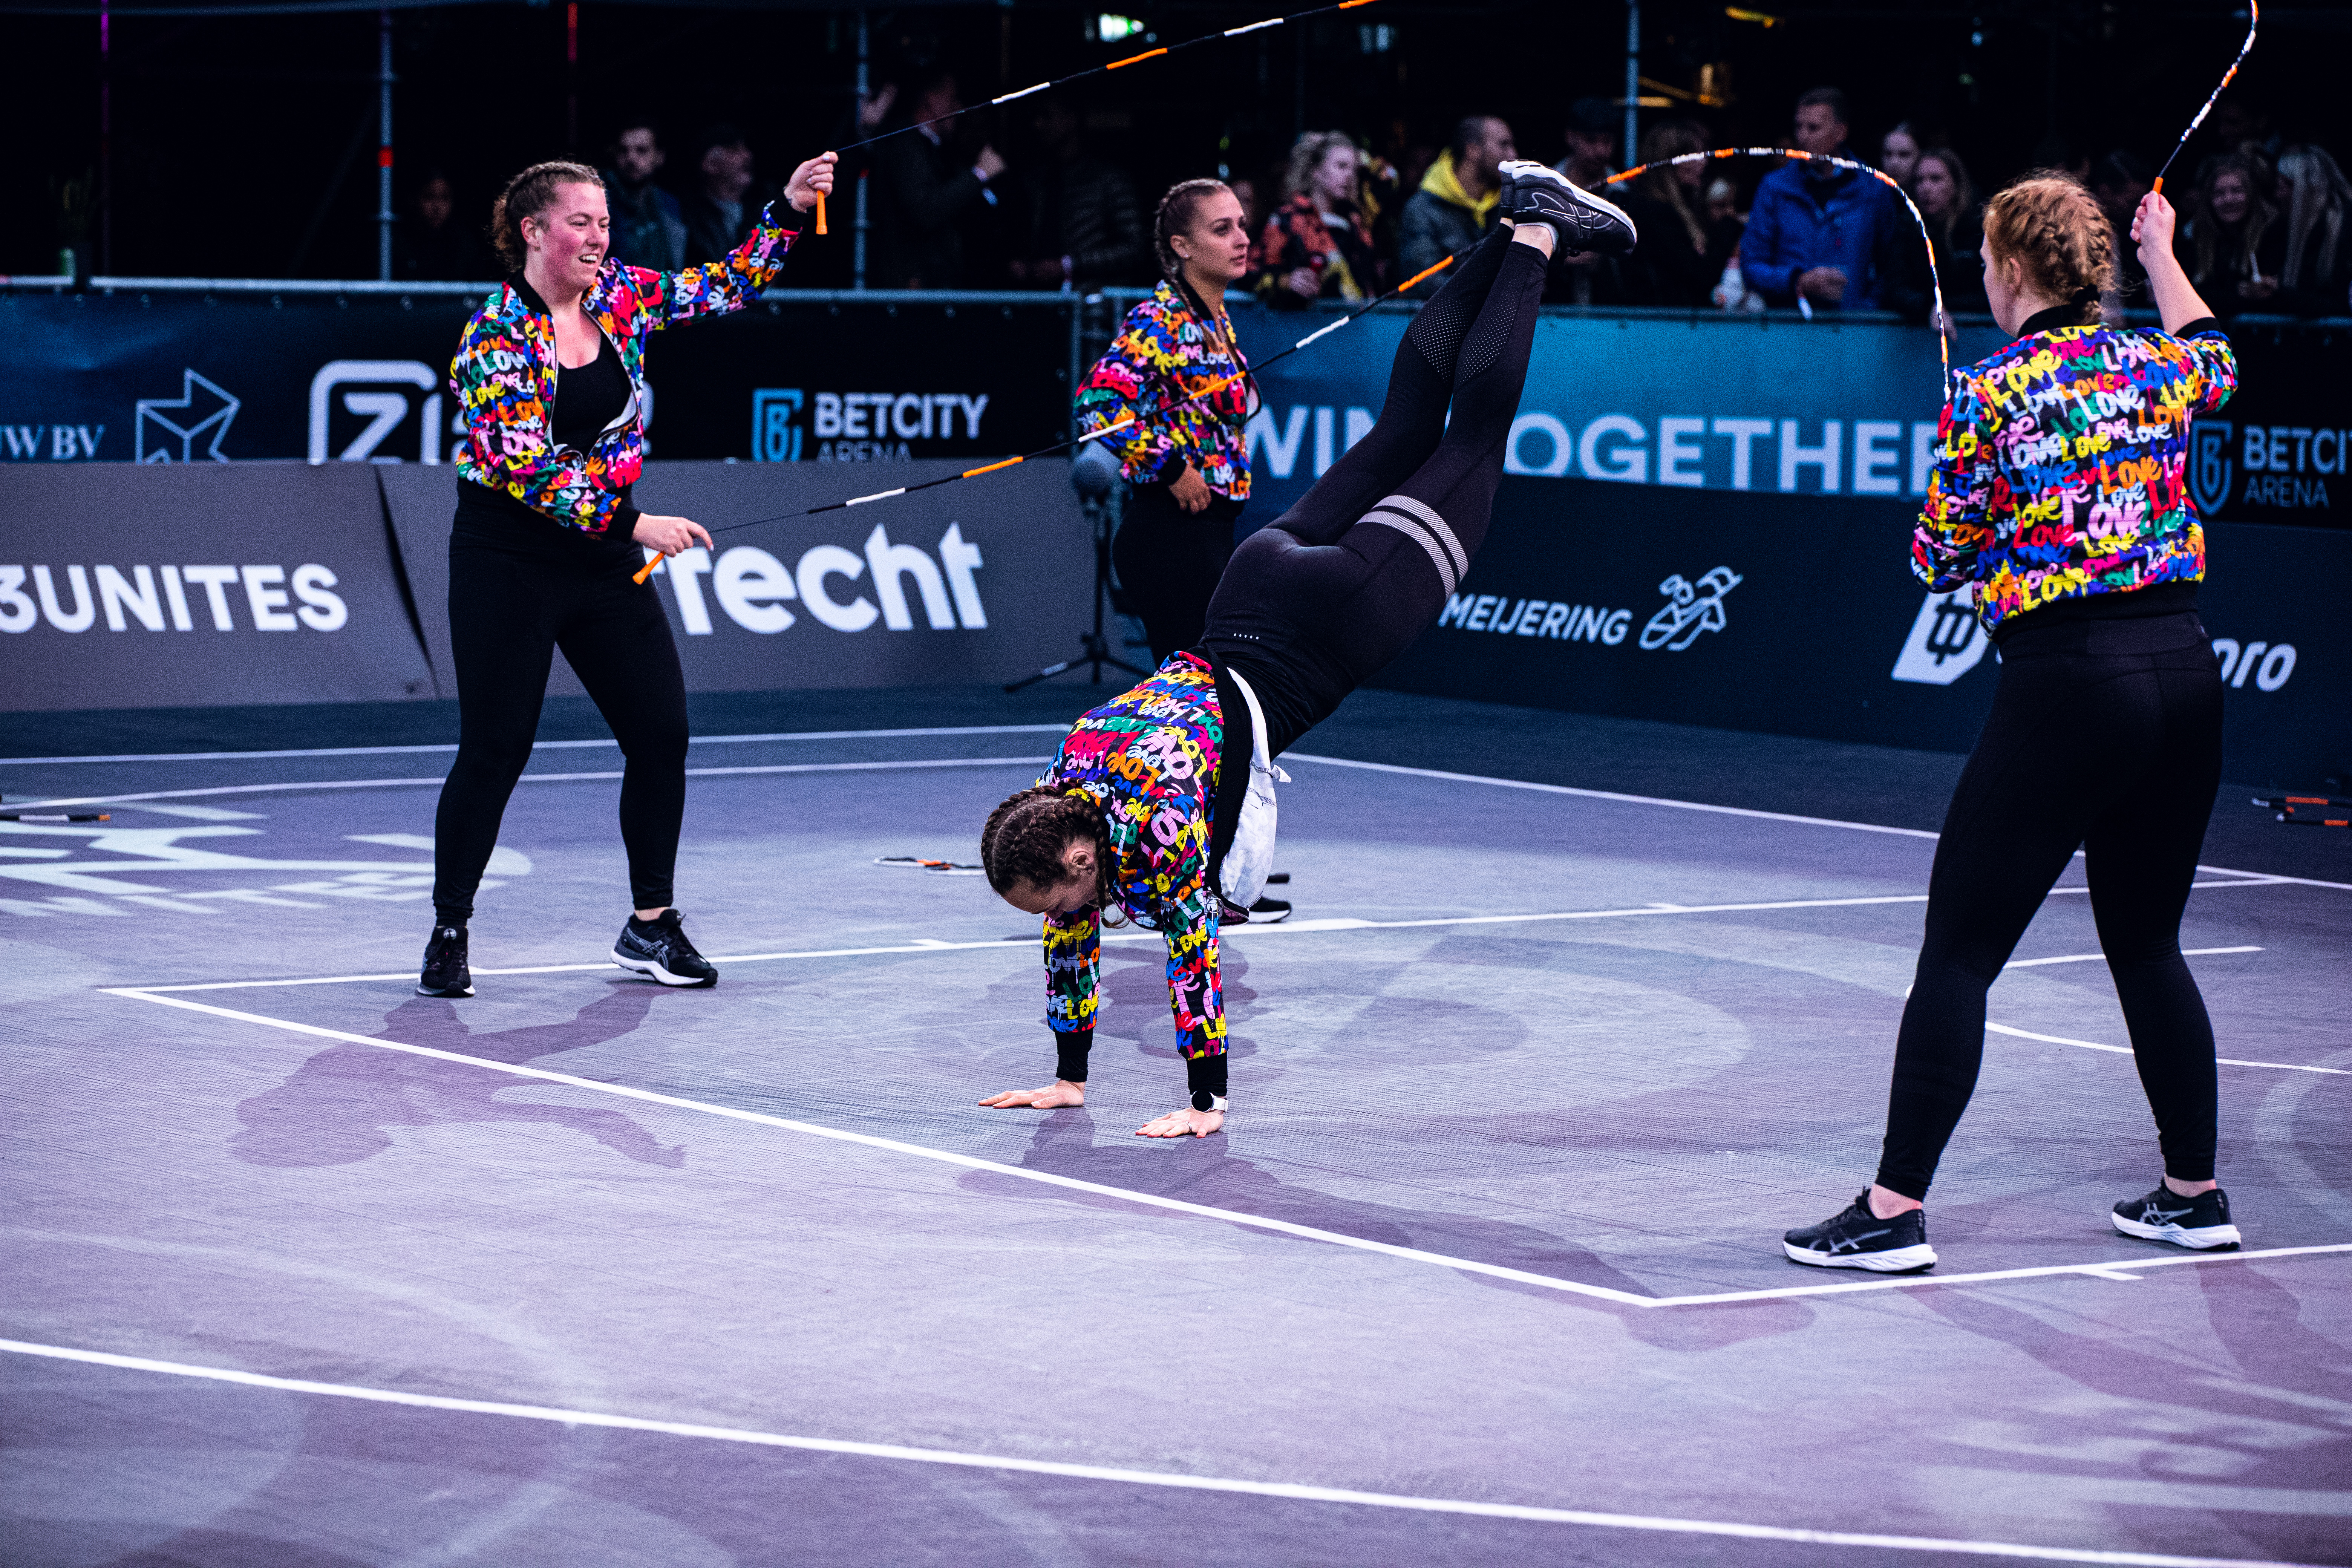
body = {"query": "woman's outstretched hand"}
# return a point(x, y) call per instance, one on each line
point(1185, 1123)
point(1052, 1097)
point(670, 535)
point(809, 180)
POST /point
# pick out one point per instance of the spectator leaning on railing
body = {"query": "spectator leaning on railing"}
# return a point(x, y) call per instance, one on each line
point(1682, 254)
point(431, 245)
point(1948, 200)
point(1456, 200)
point(1318, 243)
point(1819, 233)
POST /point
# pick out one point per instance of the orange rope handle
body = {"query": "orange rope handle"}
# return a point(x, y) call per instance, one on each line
point(647, 569)
point(820, 212)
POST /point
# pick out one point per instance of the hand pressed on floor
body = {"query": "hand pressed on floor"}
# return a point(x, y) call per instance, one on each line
point(1052, 1097)
point(1180, 1123)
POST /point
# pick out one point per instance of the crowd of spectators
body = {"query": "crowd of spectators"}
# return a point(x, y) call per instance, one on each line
point(2262, 226)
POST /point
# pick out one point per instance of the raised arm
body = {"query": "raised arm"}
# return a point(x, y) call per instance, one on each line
point(718, 286)
point(2177, 299)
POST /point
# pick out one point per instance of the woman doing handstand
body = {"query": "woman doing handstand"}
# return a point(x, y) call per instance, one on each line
point(1143, 810)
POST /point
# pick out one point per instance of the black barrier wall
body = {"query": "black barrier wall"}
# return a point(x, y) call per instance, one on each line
point(187, 377)
point(190, 587)
point(1798, 615)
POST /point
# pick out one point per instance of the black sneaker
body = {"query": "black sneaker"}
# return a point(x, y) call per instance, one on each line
point(446, 972)
point(2202, 1223)
point(1267, 911)
point(1535, 192)
point(658, 949)
point(1858, 1238)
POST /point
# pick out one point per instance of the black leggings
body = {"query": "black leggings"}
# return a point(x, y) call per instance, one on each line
point(1333, 589)
point(1169, 563)
point(2105, 735)
point(508, 612)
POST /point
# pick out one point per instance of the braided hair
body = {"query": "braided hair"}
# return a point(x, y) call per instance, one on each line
point(530, 194)
point(1027, 835)
point(2058, 233)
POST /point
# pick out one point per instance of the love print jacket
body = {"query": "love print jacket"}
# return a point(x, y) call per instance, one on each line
point(1163, 355)
point(2061, 467)
point(1149, 758)
point(504, 375)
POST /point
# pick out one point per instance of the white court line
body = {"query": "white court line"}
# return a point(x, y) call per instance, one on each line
point(1290, 1491)
point(1288, 927)
point(536, 745)
point(537, 778)
point(2100, 957)
point(2105, 1269)
point(1721, 810)
point(2127, 1050)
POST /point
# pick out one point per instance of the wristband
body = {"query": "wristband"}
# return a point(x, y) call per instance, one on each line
point(1203, 1100)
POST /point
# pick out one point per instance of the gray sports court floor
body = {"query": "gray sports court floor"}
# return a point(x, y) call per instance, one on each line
point(302, 1269)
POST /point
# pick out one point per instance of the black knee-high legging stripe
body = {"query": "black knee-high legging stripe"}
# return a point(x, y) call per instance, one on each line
point(2106, 736)
point(508, 613)
point(1336, 586)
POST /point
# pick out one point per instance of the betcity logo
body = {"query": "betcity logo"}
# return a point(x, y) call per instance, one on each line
point(2283, 465)
point(161, 596)
point(858, 426)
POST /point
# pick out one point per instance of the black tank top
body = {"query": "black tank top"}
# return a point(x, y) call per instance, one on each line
point(587, 399)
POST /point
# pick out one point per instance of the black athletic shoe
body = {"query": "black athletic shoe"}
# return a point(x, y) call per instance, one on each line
point(1267, 911)
point(446, 972)
point(658, 949)
point(2201, 1223)
point(1858, 1238)
point(1535, 192)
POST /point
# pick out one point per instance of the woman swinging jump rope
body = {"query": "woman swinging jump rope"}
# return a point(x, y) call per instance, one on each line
point(1149, 810)
point(2059, 499)
point(551, 377)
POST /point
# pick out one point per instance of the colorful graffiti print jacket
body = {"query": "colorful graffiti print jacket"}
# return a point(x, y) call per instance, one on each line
point(2062, 469)
point(504, 375)
point(1161, 356)
point(1149, 758)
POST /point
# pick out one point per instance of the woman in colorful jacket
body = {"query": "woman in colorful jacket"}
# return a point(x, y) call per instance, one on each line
point(1159, 806)
point(549, 376)
point(2059, 501)
point(1318, 245)
point(1187, 462)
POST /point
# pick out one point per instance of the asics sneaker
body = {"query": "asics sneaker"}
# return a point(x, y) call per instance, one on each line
point(1536, 193)
point(2202, 1223)
point(1857, 1238)
point(658, 950)
point(446, 972)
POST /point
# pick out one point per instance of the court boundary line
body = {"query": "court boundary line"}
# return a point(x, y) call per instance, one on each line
point(918, 762)
point(536, 745)
point(2111, 1269)
point(1288, 1491)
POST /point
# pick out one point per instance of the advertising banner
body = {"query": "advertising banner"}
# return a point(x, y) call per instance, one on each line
point(132, 588)
point(1774, 406)
point(189, 378)
point(1799, 616)
point(971, 583)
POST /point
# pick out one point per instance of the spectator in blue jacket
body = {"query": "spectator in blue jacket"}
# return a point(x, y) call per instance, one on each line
point(1819, 233)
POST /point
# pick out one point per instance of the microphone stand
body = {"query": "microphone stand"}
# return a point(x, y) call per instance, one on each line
point(1094, 649)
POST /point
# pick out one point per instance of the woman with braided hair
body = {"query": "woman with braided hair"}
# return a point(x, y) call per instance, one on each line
point(1187, 463)
point(1159, 806)
point(2059, 500)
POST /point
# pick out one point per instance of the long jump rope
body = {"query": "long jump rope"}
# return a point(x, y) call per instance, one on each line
point(1127, 420)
